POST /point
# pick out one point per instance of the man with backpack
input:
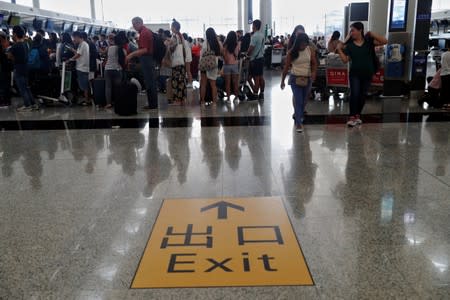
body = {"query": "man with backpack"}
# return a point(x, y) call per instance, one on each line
point(146, 55)
point(18, 53)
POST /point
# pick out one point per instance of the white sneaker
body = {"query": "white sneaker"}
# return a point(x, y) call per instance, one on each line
point(24, 109)
point(352, 122)
point(299, 128)
point(358, 120)
point(36, 107)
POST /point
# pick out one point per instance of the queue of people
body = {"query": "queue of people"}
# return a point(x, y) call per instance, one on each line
point(180, 59)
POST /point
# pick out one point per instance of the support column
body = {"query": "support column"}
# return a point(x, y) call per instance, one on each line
point(378, 16)
point(93, 16)
point(265, 11)
point(240, 19)
point(36, 4)
point(246, 26)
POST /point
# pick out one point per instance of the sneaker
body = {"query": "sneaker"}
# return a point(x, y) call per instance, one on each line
point(261, 96)
point(25, 109)
point(36, 107)
point(358, 120)
point(352, 122)
point(299, 128)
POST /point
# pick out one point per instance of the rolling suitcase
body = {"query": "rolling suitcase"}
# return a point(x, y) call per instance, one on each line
point(99, 87)
point(125, 100)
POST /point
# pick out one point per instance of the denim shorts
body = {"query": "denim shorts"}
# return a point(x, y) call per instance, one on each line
point(83, 80)
point(231, 69)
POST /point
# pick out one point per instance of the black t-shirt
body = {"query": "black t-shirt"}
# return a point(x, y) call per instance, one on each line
point(20, 53)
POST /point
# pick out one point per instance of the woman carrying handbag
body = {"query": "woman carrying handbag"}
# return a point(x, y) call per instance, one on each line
point(303, 65)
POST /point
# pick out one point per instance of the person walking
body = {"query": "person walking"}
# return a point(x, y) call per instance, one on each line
point(18, 53)
point(299, 29)
point(231, 64)
point(359, 50)
point(303, 64)
point(148, 64)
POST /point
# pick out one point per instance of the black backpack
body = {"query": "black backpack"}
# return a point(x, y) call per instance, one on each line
point(159, 49)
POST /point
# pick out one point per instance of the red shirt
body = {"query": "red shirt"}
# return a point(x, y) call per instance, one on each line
point(196, 50)
point(146, 40)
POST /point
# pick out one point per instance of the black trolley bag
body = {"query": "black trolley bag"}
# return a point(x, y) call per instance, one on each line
point(125, 99)
point(99, 89)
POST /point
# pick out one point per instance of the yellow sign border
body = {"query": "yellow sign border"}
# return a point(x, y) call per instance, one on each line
point(220, 286)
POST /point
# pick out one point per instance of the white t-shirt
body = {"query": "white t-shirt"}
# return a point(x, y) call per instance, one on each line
point(83, 60)
point(445, 62)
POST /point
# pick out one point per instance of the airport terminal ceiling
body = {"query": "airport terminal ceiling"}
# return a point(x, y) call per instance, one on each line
point(222, 15)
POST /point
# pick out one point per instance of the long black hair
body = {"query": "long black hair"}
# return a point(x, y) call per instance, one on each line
point(301, 40)
point(294, 35)
point(211, 38)
point(231, 42)
point(336, 35)
point(358, 26)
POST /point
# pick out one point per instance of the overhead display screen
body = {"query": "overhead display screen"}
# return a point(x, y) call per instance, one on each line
point(399, 15)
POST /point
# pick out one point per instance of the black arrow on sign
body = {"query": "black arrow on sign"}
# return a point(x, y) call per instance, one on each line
point(222, 209)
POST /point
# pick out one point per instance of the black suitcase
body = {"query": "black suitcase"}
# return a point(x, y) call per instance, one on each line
point(125, 99)
point(99, 87)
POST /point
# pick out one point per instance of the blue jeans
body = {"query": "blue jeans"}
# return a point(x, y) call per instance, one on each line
point(148, 67)
point(359, 85)
point(24, 89)
point(300, 98)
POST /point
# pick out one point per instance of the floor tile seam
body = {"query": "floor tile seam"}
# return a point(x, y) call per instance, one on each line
point(425, 171)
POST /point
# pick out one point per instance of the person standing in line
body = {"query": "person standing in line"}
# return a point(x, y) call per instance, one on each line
point(256, 54)
point(231, 51)
point(334, 42)
point(18, 53)
point(180, 66)
point(82, 66)
point(213, 44)
point(303, 64)
point(360, 52)
point(148, 64)
point(115, 60)
point(445, 78)
point(6, 68)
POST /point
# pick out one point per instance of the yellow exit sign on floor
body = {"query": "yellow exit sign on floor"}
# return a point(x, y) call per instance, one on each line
point(222, 243)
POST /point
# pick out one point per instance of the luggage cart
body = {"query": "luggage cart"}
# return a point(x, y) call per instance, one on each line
point(65, 92)
point(337, 76)
point(277, 56)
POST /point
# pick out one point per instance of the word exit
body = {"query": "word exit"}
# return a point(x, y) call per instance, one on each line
point(221, 243)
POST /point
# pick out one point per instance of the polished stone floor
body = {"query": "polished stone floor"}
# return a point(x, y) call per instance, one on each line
point(370, 205)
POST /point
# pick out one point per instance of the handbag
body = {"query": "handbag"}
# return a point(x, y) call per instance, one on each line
point(301, 81)
point(167, 60)
point(208, 61)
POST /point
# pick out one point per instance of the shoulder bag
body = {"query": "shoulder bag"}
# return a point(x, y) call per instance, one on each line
point(208, 61)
